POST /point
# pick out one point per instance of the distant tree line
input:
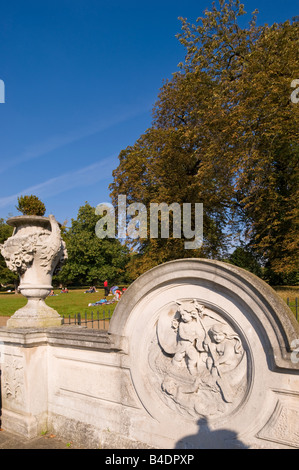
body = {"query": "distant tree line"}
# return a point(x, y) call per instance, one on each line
point(225, 133)
point(90, 260)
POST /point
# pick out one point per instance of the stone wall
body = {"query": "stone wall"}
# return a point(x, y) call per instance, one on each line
point(199, 354)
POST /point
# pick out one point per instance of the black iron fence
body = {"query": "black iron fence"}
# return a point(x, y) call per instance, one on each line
point(101, 319)
point(97, 319)
point(293, 306)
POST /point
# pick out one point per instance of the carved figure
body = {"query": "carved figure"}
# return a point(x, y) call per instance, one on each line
point(225, 350)
point(190, 335)
point(200, 360)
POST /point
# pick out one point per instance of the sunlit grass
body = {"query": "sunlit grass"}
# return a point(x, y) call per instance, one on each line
point(289, 294)
point(65, 304)
point(76, 301)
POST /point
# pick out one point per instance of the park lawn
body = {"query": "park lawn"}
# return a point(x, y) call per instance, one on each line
point(289, 295)
point(65, 304)
point(77, 302)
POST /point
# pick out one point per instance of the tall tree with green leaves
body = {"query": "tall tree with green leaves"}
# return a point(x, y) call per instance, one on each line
point(224, 133)
point(91, 260)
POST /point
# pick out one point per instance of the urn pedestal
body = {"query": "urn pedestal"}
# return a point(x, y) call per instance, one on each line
point(35, 251)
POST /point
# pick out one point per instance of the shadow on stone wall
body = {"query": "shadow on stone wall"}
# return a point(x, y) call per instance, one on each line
point(208, 439)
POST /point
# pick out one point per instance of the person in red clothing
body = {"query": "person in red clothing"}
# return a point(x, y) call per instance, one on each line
point(106, 288)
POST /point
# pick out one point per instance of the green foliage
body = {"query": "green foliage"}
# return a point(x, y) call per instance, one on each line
point(30, 205)
point(5, 231)
point(224, 133)
point(281, 279)
point(91, 260)
point(6, 276)
point(244, 258)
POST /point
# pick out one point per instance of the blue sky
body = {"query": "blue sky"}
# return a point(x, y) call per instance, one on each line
point(81, 78)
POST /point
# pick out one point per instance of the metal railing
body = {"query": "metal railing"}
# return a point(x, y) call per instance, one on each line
point(294, 306)
point(99, 320)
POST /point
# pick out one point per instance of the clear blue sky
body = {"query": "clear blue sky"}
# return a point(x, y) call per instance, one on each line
point(81, 78)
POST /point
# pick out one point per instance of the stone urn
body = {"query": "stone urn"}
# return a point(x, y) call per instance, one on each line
point(35, 251)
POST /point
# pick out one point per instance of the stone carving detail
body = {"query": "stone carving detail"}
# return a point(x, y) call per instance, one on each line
point(35, 251)
point(13, 381)
point(19, 260)
point(283, 426)
point(20, 250)
point(199, 361)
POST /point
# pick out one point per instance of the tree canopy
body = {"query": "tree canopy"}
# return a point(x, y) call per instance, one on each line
point(31, 205)
point(91, 260)
point(225, 134)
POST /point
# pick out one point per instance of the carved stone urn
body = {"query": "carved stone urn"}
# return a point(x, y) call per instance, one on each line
point(35, 251)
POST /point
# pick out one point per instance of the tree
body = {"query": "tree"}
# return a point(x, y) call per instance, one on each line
point(160, 168)
point(255, 68)
point(31, 205)
point(267, 185)
point(244, 258)
point(6, 275)
point(91, 260)
point(224, 133)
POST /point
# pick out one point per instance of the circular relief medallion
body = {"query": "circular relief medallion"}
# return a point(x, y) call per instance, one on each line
point(198, 361)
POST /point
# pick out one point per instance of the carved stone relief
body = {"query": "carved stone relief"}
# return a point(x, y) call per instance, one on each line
point(199, 361)
point(282, 427)
point(13, 380)
point(35, 251)
point(34, 242)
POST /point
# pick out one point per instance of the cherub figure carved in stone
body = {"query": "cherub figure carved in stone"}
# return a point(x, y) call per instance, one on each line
point(225, 349)
point(190, 335)
point(203, 365)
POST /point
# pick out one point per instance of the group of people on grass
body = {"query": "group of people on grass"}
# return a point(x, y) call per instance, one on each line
point(63, 290)
point(114, 290)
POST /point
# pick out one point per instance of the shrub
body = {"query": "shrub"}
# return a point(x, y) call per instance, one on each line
point(31, 205)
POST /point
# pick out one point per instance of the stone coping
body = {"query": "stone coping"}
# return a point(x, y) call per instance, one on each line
point(262, 303)
point(65, 336)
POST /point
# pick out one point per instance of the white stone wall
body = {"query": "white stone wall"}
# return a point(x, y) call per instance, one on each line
point(139, 386)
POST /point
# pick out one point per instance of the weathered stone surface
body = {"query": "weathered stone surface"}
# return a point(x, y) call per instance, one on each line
point(209, 343)
point(199, 354)
point(34, 251)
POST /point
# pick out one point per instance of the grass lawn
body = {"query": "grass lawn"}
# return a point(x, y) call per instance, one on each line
point(65, 304)
point(289, 295)
point(77, 302)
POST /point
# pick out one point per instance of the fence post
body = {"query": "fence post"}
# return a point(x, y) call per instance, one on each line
point(79, 319)
point(296, 308)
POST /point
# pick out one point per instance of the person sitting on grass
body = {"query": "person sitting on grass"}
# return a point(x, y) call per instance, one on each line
point(90, 290)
